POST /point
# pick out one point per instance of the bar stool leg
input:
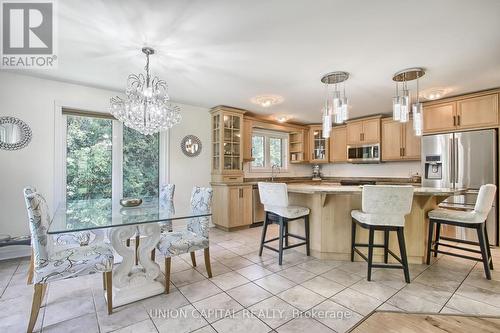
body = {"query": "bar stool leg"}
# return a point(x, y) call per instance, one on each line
point(263, 237)
point(306, 225)
point(386, 246)
point(429, 241)
point(286, 234)
point(484, 252)
point(488, 246)
point(438, 234)
point(280, 248)
point(370, 253)
point(353, 238)
point(402, 250)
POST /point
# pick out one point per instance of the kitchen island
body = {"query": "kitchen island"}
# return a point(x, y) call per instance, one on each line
point(330, 220)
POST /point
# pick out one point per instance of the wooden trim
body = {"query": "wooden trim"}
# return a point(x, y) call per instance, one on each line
point(83, 113)
point(462, 96)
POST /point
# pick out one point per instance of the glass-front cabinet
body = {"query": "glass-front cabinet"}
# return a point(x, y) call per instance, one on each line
point(318, 144)
point(227, 145)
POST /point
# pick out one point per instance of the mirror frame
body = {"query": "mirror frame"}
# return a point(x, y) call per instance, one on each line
point(196, 140)
point(25, 130)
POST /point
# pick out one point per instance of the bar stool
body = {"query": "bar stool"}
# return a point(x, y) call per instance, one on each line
point(475, 219)
point(274, 197)
point(384, 208)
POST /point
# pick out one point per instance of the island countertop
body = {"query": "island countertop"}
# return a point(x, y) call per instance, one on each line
point(340, 189)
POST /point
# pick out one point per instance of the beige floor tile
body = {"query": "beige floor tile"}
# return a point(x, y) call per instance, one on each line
point(300, 325)
point(319, 266)
point(145, 326)
point(206, 329)
point(163, 302)
point(338, 318)
point(345, 278)
point(254, 272)
point(186, 277)
point(217, 307)
point(389, 307)
point(301, 298)
point(470, 306)
point(374, 289)
point(84, 324)
point(390, 277)
point(199, 290)
point(254, 257)
point(217, 269)
point(296, 274)
point(243, 321)
point(122, 316)
point(249, 294)
point(323, 286)
point(236, 262)
point(411, 303)
point(68, 308)
point(479, 294)
point(229, 280)
point(357, 267)
point(275, 283)
point(182, 320)
point(274, 311)
point(354, 300)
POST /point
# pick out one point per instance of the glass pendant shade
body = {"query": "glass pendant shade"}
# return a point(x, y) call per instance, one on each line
point(396, 108)
point(327, 125)
point(336, 104)
point(405, 106)
point(418, 118)
point(345, 109)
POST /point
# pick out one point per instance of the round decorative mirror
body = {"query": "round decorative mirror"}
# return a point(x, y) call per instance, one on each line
point(14, 133)
point(191, 145)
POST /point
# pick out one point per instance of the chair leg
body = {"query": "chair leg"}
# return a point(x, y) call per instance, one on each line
point(168, 262)
point(35, 306)
point(438, 235)
point(386, 246)
point(353, 238)
point(429, 241)
point(104, 281)
point(371, 236)
point(263, 237)
point(208, 265)
point(109, 291)
point(137, 239)
point(402, 250)
point(308, 242)
point(484, 252)
point(488, 246)
point(31, 268)
point(193, 259)
point(153, 255)
point(286, 234)
point(280, 247)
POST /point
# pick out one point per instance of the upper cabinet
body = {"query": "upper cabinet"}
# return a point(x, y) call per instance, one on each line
point(318, 144)
point(363, 131)
point(464, 112)
point(227, 145)
point(399, 141)
point(338, 144)
point(247, 140)
point(297, 146)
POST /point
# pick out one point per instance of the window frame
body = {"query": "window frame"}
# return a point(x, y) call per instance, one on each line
point(269, 134)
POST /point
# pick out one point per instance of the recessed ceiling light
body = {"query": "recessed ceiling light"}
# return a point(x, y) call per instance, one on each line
point(281, 118)
point(432, 94)
point(267, 100)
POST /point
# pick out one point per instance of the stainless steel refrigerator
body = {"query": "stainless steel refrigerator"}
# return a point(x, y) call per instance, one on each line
point(462, 160)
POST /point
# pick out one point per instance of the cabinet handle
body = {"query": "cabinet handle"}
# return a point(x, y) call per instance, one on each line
point(241, 192)
point(400, 151)
point(403, 151)
point(458, 120)
point(360, 136)
point(454, 120)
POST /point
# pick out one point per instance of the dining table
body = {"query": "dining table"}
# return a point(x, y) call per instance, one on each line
point(113, 223)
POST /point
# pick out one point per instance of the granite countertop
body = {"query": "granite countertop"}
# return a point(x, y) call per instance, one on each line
point(339, 189)
point(323, 181)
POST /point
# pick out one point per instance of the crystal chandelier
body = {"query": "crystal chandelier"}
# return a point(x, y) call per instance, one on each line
point(146, 108)
point(336, 104)
point(401, 103)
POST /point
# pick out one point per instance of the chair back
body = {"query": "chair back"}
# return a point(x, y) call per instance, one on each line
point(39, 222)
point(273, 195)
point(485, 199)
point(167, 193)
point(387, 199)
point(201, 202)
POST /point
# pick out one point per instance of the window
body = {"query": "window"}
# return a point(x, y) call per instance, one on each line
point(104, 159)
point(269, 148)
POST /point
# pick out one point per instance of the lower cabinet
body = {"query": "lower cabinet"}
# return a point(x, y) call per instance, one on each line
point(232, 206)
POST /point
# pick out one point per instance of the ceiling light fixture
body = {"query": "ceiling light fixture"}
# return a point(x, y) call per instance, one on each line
point(146, 107)
point(434, 94)
point(267, 100)
point(336, 104)
point(401, 103)
point(281, 118)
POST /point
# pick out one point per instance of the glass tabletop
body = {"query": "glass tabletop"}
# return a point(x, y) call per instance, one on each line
point(80, 215)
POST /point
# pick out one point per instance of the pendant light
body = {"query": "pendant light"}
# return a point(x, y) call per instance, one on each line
point(418, 114)
point(401, 103)
point(336, 104)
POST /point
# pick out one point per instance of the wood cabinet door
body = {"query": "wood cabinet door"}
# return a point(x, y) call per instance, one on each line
point(439, 117)
point(479, 111)
point(392, 140)
point(354, 132)
point(247, 140)
point(318, 145)
point(412, 143)
point(371, 131)
point(246, 201)
point(338, 145)
point(235, 216)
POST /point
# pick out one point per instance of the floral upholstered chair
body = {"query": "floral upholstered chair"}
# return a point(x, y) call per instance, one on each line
point(53, 262)
point(70, 239)
point(191, 239)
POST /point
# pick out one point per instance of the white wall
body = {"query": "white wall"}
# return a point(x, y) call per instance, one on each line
point(32, 100)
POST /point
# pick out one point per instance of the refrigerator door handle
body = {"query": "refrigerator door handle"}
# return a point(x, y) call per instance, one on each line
point(452, 164)
point(456, 160)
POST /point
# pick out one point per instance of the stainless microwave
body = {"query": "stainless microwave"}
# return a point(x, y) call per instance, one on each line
point(364, 153)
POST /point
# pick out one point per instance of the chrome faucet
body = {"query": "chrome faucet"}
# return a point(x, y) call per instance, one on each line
point(274, 167)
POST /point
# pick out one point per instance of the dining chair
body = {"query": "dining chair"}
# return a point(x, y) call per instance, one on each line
point(166, 196)
point(69, 239)
point(194, 237)
point(384, 208)
point(53, 262)
point(474, 219)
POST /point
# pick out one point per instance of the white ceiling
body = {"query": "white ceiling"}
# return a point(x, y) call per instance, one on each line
point(226, 52)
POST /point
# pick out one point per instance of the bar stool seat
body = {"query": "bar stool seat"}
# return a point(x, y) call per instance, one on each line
point(378, 219)
point(290, 212)
point(457, 215)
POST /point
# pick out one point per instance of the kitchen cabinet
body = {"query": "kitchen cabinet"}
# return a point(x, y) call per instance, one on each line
point(247, 140)
point(297, 146)
point(363, 131)
point(318, 144)
point(399, 141)
point(473, 111)
point(338, 144)
point(227, 144)
point(232, 206)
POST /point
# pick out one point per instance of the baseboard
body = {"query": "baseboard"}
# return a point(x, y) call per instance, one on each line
point(14, 251)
